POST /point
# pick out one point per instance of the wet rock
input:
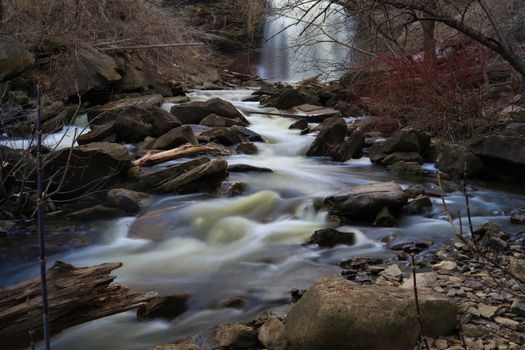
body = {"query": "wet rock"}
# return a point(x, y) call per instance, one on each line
point(385, 218)
point(97, 212)
point(333, 131)
point(245, 168)
point(330, 237)
point(230, 189)
point(407, 140)
point(223, 136)
point(301, 124)
point(108, 113)
point(14, 58)
point(518, 217)
point(214, 120)
point(457, 160)
point(89, 168)
point(134, 124)
point(286, 98)
point(272, 334)
point(60, 119)
point(406, 168)
point(195, 112)
point(419, 205)
point(184, 345)
point(350, 148)
point(360, 262)
point(167, 308)
point(503, 154)
point(409, 157)
point(335, 313)
point(235, 303)
point(235, 335)
point(127, 200)
point(96, 134)
point(246, 133)
point(175, 138)
point(367, 200)
point(247, 148)
point(518, 307)
point(375, 152)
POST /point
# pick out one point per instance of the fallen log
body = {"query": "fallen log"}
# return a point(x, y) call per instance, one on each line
point(154, 158)
point(76, 295)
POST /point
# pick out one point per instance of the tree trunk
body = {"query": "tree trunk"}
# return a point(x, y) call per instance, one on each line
point(429, 45)
point(76, 295)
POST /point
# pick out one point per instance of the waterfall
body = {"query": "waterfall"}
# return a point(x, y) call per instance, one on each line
point(300, 42)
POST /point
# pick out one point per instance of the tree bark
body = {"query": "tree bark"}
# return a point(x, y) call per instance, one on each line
point(185, 150)
point(76, 295)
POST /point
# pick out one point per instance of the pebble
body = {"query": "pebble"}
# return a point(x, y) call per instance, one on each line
point(507, 322)
point(441, 344)
point(487, 311)
point(445, 265)
point(392, 272)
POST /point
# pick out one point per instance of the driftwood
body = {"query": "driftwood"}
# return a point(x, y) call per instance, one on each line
point(76, 295)
point(154, 158)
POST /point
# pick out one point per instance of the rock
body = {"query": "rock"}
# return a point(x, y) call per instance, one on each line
point(424, 280)
point(195, 112)
point(518, 307)
point(214, 120)
point(247, 133)
point(208, 85)
point(184, 345)
point(316, 114)
point(329, 238)
point(127, 200)
point(203, 178)
point(351, 148)
point(134, 124)
point(392, 273)
point(445, 265)
point(396, 157)
point(245, 168)
point(96, 134)
point(517, 267)
point(333, 131)
point(367, 200)
point(414, 191)
point(223, 136)
point(487, 311)
point(518, 217)
point(474, 331)
point(441, 344)
point(503, 154)
point(90, 168)
point(335, 313)
point(419, 205)
point(14, 58)
point(235, 303)
point(136, 76)
point(286, 98)
point(247, 148)
point(406, 168)
point(59, 120)
point(168, 308)
point(375, 152)
point(97, 212)
point(385, 218)
point(108, 113)
point(177, 99)
point(230, 189)
point(507, 322)
point(301, 124)
point(457, 160)
point(175, 138)
point(407, 140)
point(5, 227)
point(272, 334)
point(18, 97)
point(235, 336)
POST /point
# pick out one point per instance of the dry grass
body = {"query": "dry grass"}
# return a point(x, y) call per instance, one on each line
point(55, 29)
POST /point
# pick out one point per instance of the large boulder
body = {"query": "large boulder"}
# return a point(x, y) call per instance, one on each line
point(176, 137)
point(97, 134)
point(223, 136)
point(501, 153)
point(337, 314)
point(288, 97)
point(134, 124)
point(14, 58)
point(108, 112)
point(87, 168)
point(333, 132)
point(458, 161)
point(407, 140)
point(195, 112)
point(351, 148)
point(127, 200)
point(367, 200)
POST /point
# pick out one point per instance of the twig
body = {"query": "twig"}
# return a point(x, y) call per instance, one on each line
point(143, 47)
point(418, 310)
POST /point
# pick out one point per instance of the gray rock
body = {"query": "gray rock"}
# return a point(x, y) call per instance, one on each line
point(518, 307)
point(396, 157)
point(286, 98)
point(335, 313)
point(127, 200)
point(214, 120)
point(329, 237)
point(176, 137)
point(419, 205)
point(272, 334)
point(96, 134)
point(301, 124)
point(134, 124)
point(457, 160)
point(504, 154)
point(247, 148)
point(333, 132)
point(167, 308)
point(108, 113)
point(195, 112)
point(375, 152)
point(235, 335)
point(223, 136)
point(407, 140)
point(350, 148)
point(14, 58)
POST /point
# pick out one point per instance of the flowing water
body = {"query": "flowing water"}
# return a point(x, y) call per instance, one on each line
point(303, 39)
point(249, 246)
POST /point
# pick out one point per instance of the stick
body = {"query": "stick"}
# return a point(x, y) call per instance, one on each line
point(40, 219)
point(187, 149)
point(142, 47)
point(418, 310)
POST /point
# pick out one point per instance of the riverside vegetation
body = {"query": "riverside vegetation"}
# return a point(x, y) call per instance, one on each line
point(381, 209)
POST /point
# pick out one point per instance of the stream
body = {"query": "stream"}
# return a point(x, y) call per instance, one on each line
point(251, 245)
